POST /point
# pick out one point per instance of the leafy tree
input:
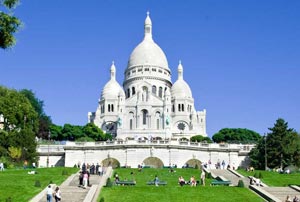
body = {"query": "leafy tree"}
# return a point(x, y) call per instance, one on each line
point(71, 132)
point(236, 135)
point(55, 131)
point(38, 105)
point(15, 152)
point(282, 142)
point(20, 124)
point(200, 138)
point(9, 24)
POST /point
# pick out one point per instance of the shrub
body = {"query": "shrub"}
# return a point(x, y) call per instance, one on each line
point(208, 175)
point(102, 199)
point(37, 183)
point(64, 172)
point(260, 175)
point(241, 183)
point(108, 182)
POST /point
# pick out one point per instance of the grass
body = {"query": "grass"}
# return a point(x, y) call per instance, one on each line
point(275, 179)
point(172, 191)
point(20, 186)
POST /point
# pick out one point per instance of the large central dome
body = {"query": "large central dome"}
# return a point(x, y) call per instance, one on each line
point(148, 52)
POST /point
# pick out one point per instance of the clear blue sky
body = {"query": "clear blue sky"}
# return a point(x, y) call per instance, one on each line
point(240, 58)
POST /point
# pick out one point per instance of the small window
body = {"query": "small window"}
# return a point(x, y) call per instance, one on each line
point(165, 73)
point(139, 70)
point(154, 90)
point(133, 90)
point(179, 107)
point(159, 71)
point(109, 108)
point(146, 69)
point(130, 124)
point(154, 69)
point(133, 71)
point(112, 108)
point(160, 92)
point(128, 74)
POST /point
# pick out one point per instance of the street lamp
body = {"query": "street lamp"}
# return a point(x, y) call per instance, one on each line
point(266, 161)
point(49, 134)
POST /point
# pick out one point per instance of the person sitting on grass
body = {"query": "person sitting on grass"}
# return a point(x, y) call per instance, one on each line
point(156, 180)
point(181, 181)
point(193, 181)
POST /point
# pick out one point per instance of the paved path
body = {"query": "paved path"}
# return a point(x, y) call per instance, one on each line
point(282, 192)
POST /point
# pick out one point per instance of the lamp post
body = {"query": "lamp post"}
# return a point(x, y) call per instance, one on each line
point(266, 159)
point(49, 133)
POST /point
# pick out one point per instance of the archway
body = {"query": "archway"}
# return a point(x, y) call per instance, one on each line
point(153, 162)
point(114, 163)
point(193, 163)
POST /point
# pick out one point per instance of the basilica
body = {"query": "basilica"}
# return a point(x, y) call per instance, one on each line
point(148, 105)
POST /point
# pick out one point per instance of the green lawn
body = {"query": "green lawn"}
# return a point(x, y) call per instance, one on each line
point(172, 191)
point(275, 179)
point(20, 186)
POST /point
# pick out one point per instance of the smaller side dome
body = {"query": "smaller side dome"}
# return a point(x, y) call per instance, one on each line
point(180, 88)
point(112, 88)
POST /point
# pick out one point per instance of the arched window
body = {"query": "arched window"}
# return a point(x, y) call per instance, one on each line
point(157, 116)
point(133, 90)
point(130, 124)
point(128, 92)
point(160, 92)
point(182, 107)
point(173, 108)
point(112, 107)
point(108, 107)
point(179, 107)
point(154, 90)
point(145, 114)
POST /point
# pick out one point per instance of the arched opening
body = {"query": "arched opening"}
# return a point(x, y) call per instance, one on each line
point(133, 90)
point(131, 115)
point(193, 163)
point(160, 92)
point(114, 163)
point(153, 162)
point(128, 92)
point(154, 90)
point(145, 114)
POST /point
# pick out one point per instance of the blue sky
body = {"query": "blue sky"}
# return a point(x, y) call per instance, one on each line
point(240, 58)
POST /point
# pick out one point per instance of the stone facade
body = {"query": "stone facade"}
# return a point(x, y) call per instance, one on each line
point(148, 105)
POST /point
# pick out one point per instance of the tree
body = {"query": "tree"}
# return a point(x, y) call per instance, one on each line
point(20, 124)
point(9, 24)
point(236, 135)
point(38, 105)
point(282, 142)
point(92, 131)
point(200, 138)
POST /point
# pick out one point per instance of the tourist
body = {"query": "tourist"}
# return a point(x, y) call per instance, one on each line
point(1, 166)
point(80, 178)
point(99, 170)
point(181, 181)
point(203, 177)
point(57, 195)
point(223, 164)
point(156, 180)
point(288, 199)
point(49, 193)
point(193, 181)
point(33, 165)
point(296, 199)
point(85, 179)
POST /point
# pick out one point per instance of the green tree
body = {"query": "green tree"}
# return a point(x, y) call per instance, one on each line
point(9, 24)
point(20, 124)
point(236, 135)
point(200, 138)
point(38, 105)
point(281, 142)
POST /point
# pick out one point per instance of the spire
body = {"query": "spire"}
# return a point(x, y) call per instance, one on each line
point(180, 71)
point(113, 71)
point(148, 27)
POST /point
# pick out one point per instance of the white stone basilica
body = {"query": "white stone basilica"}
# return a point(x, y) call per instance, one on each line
point(149, 105)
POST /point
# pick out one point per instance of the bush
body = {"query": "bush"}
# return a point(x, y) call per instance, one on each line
point(108, 182)
point(102, 199)
point(37, 183)
point(208, 175)
point(260, 175)
point(241, 183)
point(64, 172)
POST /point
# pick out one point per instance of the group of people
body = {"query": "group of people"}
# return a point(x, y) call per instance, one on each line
point(92, 169)
point(193, 182)
point(56, 194)
point(289, 199)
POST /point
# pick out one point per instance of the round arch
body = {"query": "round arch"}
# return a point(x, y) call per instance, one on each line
point(153, 162)
point(114, 163)
point(193, 163)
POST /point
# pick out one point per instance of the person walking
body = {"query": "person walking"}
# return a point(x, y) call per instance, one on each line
point(49, 193)
point(57, 195)
point(202, 177)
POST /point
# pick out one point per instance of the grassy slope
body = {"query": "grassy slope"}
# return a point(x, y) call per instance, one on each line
point(274, 178)
point(172, 192)
point(19, 185)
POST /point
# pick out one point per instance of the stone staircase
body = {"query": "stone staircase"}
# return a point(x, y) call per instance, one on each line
point(71, 192)
point(282, 192)
point(230, 176)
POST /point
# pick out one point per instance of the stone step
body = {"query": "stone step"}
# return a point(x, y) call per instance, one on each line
point(282, 192)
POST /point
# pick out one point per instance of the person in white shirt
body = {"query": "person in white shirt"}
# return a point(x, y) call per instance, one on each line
point(49, 193)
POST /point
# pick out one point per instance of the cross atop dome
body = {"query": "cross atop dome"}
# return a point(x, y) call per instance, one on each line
point(180, 70)
point(113, 71)
point(148, 27)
